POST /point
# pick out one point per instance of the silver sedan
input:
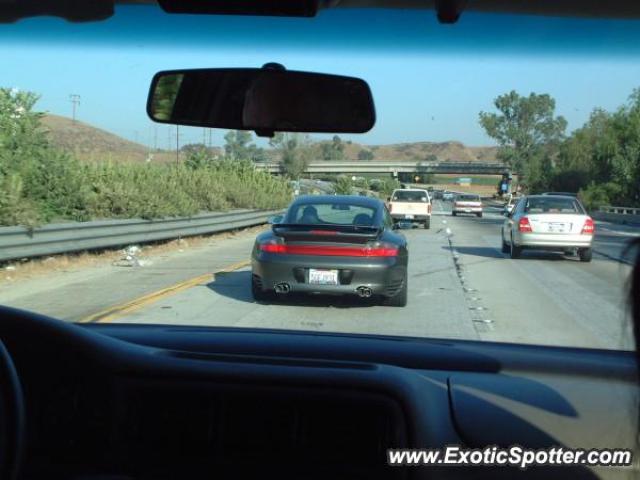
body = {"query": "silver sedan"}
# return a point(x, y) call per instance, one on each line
point(550, 223)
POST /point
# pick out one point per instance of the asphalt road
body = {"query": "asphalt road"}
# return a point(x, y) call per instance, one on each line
point(460, 286)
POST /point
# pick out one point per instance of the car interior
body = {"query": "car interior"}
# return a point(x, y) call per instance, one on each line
point(114, 401)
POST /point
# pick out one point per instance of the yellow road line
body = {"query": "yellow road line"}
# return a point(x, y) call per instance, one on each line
point(117, 311)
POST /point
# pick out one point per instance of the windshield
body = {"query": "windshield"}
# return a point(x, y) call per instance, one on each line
point(409, 196)
point(330, 213)
point(106, 216)
point(552, 204)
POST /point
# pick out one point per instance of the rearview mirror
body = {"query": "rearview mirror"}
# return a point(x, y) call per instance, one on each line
point(275, 219)
point(264, 100)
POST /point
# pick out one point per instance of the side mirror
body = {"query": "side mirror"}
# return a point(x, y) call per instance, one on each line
point(275, 219)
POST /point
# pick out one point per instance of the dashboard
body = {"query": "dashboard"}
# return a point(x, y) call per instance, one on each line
point(138, 402)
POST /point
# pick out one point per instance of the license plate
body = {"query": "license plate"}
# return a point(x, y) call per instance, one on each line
point(409, 217)
point(557, 227)
point(323, 277)
point(467, 210)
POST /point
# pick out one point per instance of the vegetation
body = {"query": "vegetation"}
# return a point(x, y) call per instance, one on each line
point(365, 155)
point(333, 150)
point(238, 146)
point(600, 160)
point(294, 150)
point(39, 183)
point(385, 187)
point(344, 186)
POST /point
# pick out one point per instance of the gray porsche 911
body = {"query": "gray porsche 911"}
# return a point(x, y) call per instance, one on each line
point(333, 244)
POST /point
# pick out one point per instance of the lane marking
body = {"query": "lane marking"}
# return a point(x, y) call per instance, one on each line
point(116, 311)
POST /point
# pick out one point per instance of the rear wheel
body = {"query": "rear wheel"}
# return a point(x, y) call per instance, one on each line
point(479, 214)
point(453, 214)
point(514, 251)
point(427, 223)
point(400, 298)
point(585, 254)
point(259, 295)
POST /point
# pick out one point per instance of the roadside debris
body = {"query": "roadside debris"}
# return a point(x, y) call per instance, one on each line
point(131, 258)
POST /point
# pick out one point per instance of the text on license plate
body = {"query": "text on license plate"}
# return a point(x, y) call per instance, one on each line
point(323, 277)
point(556, 227)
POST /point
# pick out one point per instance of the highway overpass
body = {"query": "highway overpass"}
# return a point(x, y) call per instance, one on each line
point(394, 168)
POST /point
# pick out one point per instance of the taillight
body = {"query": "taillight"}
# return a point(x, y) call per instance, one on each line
point(379, 250)
point(524, 225)
point(589, 227)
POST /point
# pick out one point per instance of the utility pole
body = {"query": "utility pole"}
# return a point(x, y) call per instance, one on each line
point(177, 144)
point(75, 101)
point(155, 137)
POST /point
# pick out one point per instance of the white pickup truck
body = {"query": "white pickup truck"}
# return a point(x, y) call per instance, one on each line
point(410, 205)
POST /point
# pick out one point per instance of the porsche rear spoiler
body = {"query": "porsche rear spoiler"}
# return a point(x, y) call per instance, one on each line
point(327, 232)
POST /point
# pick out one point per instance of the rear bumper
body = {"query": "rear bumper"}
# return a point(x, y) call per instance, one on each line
point(384, 276)
point(467, 209)
point(552, 240)
point(401, 217)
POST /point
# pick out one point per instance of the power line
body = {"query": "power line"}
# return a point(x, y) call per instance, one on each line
point(75, 101)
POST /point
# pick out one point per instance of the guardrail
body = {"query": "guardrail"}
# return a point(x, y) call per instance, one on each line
point(21, 242)
point(620, 210)
point(623, 215)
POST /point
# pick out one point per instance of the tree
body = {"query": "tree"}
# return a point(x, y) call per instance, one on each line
point(333, 150)
point(365, 155)
point(343, 186)
point(37, 182)
point(526, 130)
point(238, 144)
point(294, 151)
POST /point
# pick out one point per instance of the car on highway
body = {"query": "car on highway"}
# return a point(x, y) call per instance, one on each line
point(548, 222)
point(411, 205)
point(333, 244)
point(561, 194)
point(448, 196)
point(467, 203)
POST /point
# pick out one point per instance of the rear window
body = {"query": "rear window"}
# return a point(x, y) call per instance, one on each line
point(468, 198)
point(331, 213)
point(409, 196)
point(551, 204)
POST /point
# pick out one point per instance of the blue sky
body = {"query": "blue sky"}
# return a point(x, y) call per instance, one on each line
point(429, 81)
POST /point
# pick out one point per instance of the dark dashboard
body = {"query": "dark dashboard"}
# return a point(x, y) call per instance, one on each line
point(129, 401)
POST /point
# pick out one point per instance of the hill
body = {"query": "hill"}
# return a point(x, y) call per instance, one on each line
point(91, 143)
point(443, 151)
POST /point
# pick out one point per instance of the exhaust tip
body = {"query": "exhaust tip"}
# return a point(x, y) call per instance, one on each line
point(282, 288)
point(364, 292)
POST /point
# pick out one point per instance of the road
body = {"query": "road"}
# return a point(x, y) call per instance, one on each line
point(460, 286)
